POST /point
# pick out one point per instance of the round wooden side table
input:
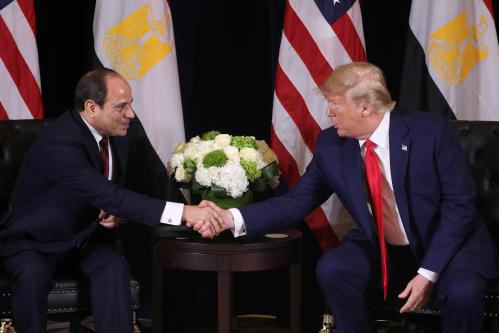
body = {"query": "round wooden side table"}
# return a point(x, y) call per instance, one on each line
point(226, 256)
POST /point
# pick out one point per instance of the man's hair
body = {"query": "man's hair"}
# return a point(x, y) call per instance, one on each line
point(360, 82)
point(92, 86)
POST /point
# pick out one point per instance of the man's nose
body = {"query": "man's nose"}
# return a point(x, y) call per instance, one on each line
point(130, 113)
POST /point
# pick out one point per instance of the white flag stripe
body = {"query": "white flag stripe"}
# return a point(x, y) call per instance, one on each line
point(18, 25)
point(290, 136)
point(155, 87)
point(299, 75)
point(355, 15)
point(11, 98)
point(339, 218)
point(322, 33)
point(475, 98)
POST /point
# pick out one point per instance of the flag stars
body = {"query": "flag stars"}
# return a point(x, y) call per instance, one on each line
point(336, 1)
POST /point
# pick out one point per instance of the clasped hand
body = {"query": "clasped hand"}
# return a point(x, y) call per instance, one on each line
point(208, 219)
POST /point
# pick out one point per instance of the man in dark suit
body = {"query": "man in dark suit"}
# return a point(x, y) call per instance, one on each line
point(424, 208)
point(67, 198)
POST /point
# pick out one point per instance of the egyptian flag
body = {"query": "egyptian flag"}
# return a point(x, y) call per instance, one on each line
point(452, 59)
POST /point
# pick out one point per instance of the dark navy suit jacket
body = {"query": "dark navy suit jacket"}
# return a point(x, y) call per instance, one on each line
point(432, 182)
point(60, 189)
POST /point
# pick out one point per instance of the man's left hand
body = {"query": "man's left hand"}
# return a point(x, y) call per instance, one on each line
point(108, 221)
point(418, 292)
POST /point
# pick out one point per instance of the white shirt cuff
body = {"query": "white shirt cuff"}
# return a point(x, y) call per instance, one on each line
point(172, 214)
point(239, 226)
point(432, 276)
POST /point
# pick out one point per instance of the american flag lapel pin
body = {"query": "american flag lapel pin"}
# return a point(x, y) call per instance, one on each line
point(404, 147)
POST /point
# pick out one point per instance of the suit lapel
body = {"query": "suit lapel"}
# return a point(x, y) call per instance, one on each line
point(89, 142)
point(400, 148)
point(354, 175)
point(120, 152)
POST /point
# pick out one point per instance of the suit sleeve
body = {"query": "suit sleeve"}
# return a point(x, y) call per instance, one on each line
point(285, 211)
point(68, 164)
point(458, 212)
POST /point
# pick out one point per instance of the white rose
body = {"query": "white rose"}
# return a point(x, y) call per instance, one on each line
point(232, 153)
point(177, 160)
point(195, 139)
point(249, 154)
point(223, 140)
point(181, 175)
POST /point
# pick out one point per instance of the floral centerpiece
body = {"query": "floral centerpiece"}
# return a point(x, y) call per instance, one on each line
point(223, 168)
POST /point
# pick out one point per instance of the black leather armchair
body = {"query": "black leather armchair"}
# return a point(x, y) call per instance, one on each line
point(480, 141)
point(68, 297)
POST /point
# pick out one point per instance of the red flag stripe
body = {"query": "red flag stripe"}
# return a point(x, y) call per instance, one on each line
point(305, 46)
point(287, 164)
point(345, 30)
point(3, 113)
point(295, 106)
point(20, 73)
point(29, 12)
point(488, 4)
point(319, 224)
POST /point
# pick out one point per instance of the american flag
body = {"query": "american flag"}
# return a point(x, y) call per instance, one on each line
point(317, 37)
point(20, 96)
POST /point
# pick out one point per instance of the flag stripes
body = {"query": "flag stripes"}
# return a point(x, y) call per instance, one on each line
point(317, 36)
point(19, 71)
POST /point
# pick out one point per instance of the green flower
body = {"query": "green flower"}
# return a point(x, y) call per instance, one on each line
point(214, 158)
point(243, 141)
point(209, 135)
point(252, 172)
point(189, 165)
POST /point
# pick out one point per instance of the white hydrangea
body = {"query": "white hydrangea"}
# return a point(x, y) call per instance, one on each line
point(249, 154)
point(233, 179)
point(232, 153)
point(206, 176)
point(223, 140)
point(176, 160)
point(181, 175)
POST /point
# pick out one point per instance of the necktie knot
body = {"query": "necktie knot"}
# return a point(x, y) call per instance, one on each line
point(370, 145)
point(103, 143)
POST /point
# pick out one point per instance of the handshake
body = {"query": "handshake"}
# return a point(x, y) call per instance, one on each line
point(208, 219)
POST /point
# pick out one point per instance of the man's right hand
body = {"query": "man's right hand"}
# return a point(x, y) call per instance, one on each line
point(205, 229)
point(205, 216)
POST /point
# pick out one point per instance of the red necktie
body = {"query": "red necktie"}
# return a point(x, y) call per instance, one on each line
point(104, 153)
point(373, 176)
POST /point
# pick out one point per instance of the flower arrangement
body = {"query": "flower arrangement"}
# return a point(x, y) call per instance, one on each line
point(223, 168)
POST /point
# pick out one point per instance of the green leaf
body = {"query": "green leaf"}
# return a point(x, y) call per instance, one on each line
point(270, 171)
point(259, 185)
point(229, 202)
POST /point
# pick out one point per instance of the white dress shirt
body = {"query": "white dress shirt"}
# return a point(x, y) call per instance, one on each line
point(172, 213)
point(382, 140)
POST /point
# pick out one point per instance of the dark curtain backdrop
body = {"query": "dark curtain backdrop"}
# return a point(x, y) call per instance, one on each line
point(227, 52)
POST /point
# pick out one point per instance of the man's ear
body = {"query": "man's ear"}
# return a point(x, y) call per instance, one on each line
point(367, 109)
point(90, 107)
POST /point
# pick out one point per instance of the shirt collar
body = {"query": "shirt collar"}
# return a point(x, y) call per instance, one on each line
point(380, 135)
point(97, 135)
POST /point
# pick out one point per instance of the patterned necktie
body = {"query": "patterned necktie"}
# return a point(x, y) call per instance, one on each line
point(104, 153)
point(373, 176)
